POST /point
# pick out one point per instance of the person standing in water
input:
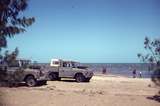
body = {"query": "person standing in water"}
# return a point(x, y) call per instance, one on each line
point(134, 73)
point(104, 70)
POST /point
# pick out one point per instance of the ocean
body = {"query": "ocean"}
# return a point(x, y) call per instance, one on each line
point(123, 69)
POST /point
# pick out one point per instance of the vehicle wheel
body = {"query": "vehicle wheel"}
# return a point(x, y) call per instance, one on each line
point(44, 82)
point(59, 78)
point(87, 79)
point(31, 81)
point(80, 78)
point(53, 76)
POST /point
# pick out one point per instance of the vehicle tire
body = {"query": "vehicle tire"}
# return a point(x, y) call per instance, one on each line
point(44, 82)
point(59, 78)
point(80, 78)
point(87, 79)
point(31, 81)
point(53, 76)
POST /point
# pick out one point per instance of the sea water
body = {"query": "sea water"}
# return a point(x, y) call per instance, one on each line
point(123, 69)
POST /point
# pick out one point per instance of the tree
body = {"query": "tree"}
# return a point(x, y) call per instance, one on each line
point(153, 57)
point(11, 22)
point(9, 58)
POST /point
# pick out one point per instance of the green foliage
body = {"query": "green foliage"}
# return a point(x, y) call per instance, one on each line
point(9, 58)
point(153, 57)
point(156, 76)
point(153, 48)
point(11, 21)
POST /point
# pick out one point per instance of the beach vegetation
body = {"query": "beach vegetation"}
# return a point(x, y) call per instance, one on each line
point(152, 57)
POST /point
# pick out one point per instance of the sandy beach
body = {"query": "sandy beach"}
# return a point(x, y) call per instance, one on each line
point(108, 90)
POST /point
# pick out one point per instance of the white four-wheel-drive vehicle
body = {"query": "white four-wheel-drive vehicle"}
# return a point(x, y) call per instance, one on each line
point(69, 69)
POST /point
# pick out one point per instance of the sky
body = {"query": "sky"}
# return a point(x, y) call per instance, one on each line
point(89, 31)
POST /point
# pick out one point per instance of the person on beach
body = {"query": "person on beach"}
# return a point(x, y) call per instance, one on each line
point(104, 70)
point(134, 73)
point(140, 74)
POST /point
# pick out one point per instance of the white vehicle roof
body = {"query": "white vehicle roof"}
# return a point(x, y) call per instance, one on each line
point(63, 60)
point(60, 60)
point(56, 59)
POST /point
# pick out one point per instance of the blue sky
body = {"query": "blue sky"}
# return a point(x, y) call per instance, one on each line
point(97, 31)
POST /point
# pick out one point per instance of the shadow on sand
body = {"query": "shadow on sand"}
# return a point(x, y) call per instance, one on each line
point(155, 98)
point(67, 80)
point(19, 85)
point(70, 80)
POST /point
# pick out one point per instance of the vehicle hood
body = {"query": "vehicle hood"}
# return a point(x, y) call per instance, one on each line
point(83, 69)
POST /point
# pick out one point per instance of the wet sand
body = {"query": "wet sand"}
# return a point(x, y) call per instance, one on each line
point(102, 90)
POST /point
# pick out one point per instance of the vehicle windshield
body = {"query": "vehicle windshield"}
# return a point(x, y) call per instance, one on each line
point(75, 64)
point(78, 65)
point(19, 63)
point(25, 63)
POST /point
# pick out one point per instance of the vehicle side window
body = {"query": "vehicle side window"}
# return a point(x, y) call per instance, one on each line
point(73, 65)
point(64, 64)
point(3, 68)
point(14, 64)
point(68, 65)
point(56, 62)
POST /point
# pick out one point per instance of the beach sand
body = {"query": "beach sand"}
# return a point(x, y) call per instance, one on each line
point(102, 90)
